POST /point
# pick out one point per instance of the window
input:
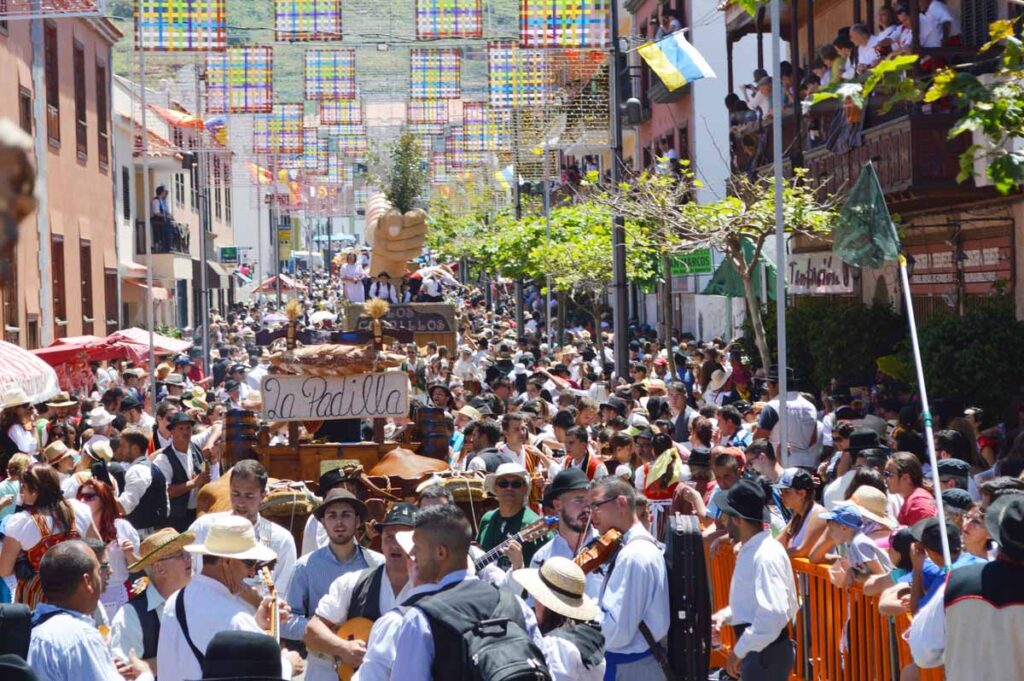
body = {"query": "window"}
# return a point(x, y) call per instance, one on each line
point(60, 307)
point(25, 108)
point(81, 128)
point(110, 302)
point(194, 176)
point(102, 121)
point(126, 193)
point(33, 332)
point(218, 209)
point(9, 300)
point(227, 192)
point(4, 9)
point(85, 260)
point(52, 83)
point(179, 189)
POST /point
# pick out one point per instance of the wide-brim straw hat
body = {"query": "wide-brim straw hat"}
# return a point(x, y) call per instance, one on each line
point(61, 400)
point(718, 380)
point(99, 417)
point(15, 397)
point(160, 545)
point(56, 452)
point(873, 505)
point(232, 536)
point(559, 586)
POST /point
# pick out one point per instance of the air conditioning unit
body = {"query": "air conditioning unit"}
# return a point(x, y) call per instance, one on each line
point(1014, 145)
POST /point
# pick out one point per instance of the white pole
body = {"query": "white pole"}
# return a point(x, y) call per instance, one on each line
point(926, 413)
point(41, 146)
point(547, 230)
point(147, 227)
point(780, 230)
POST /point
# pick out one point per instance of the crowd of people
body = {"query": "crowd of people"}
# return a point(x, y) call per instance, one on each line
point(105, 536)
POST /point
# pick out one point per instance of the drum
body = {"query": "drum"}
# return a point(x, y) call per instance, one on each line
point(431, 421)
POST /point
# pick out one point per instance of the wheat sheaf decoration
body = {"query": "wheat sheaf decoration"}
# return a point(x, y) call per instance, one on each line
point(293, 310)
point(377, 309)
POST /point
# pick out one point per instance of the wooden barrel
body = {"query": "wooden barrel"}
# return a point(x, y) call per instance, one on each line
point(241, 427)
point(434, 433)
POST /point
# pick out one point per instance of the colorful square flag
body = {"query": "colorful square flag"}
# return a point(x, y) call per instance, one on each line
point(517, 77)
point(280, 131)
point(301, 20)
point(427, 116)
point(238, 80)
point(330, 74)
point(349, 140)
point(180, 25)
point(341, 112)
point(449, 19)
point(482, 127)
point(435, 74)
point(314, 151)
point(458, 152)
point(565, 23)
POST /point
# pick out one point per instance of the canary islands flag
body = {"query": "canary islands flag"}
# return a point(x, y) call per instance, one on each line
point(676, 61)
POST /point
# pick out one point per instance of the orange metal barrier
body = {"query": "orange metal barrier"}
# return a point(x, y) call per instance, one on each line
point(840, 634)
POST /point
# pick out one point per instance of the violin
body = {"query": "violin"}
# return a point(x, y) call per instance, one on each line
point(598, 551)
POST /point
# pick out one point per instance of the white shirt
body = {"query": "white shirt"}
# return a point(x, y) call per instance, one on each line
point(636, 589)
point(253, 378)
point(801, 429)
point(334, 608)
point(762, 594)
point(125, 628)
point(20, 526)
point(566, 664)
point(927, 634)
point(116, 594)
point(386, 292)
point(209, 608)
point(931, 30)
point(559, 547)
point(939, 13)
point(267, 533)
point(24, 439)
point(137, 480)
point(380, 648)
point(185, 459)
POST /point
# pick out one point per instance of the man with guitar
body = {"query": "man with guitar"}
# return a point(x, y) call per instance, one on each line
point(634, 596)
point(511, 485)
point(568, 496)
point(341, 514)
point(358, 599)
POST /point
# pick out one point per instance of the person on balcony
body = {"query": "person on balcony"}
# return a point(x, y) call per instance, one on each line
point(888, 31)
point(833, 64)
point(942, 29)
point(668, 25)
point(160, 218)
point(865, 54)
point(847, 55)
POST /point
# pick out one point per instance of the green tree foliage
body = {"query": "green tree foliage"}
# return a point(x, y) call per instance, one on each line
point(407, 175)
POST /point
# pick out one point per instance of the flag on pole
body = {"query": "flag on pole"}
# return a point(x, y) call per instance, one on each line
point(676, 61)
point(864, 234)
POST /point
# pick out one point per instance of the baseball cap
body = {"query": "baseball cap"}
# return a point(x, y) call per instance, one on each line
point(958, 499)
point(400, 514)
point(1005, 522)
point(795, 478)
point(929, 533)
point(845, 514)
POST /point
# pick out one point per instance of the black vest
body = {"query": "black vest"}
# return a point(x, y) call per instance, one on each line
point(149, 620)
point(366, 594)
point(179, 516)
point(151, 511)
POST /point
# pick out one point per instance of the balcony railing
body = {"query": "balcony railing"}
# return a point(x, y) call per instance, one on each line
point(168, 237)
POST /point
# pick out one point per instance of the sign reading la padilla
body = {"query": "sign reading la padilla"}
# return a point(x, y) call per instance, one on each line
point(307, 398)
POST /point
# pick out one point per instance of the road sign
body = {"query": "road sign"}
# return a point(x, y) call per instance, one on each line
point(697, 262)
point(229, 254)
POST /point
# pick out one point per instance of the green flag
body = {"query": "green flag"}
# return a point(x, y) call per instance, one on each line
point(864, 235)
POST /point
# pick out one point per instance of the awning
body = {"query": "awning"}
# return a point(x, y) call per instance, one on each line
point(90, 349)
point(217, 276)
point(136, 292)
point(287, 284)
point(133, 269)
point(19, 368)
point(726, 281)
point(164, 345)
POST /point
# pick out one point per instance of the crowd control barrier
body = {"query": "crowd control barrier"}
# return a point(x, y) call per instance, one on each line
point(840, 634)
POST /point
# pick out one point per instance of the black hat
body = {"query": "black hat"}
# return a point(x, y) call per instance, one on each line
point(772, 375)
point(195, 351)
point(531, 407)
point(482, 405)
point(616, 403)
point(1005, 522)
point(341, 494)
point(954, 468)
point(130, 403)
point(863, 438)
point(742, 406)
point(237, 367)
point(14, 668)
point(744, 500)
point(329, 479)
point(400, 514)
point(560, 368)
point(929, 533)
point(383, 273)
point(645, 433)
point(180, 418)
point(567, 480)
point(699, 456)
point(958, 499)
point(841, 394)
point(242, 655)
point(231, 384)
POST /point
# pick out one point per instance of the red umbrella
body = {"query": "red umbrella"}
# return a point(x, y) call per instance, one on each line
point(91, 349)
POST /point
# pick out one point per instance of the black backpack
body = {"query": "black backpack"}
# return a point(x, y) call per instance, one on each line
point(479, 628)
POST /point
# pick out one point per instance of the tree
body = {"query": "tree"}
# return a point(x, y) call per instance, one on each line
point(406, 176)
point(746, 216)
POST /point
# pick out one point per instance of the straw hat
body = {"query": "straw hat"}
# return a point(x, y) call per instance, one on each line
point(163, 369)
point(873, 505)
point(99, 417)
point(62, 399)
point(558, 585)
point(718, 380)
point(506, 470)
point(56, 452)
point(232, 536)
point(160, 545)
point(99, 451)
point(15, 397)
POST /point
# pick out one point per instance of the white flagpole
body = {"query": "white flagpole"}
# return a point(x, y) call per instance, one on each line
point(926, 414)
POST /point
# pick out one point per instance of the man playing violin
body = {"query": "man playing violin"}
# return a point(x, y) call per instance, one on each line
point(634, 595)
point(568, 496)
point(511, 485)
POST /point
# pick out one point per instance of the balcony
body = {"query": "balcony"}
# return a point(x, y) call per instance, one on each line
point(171, 237)
point(659, 94)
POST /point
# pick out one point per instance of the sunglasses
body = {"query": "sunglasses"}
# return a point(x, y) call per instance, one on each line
point(88, 496)
point(514, 484)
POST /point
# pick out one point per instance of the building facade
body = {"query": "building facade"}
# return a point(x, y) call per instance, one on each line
point(66, 265)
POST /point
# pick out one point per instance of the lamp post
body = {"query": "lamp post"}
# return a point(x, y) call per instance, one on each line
point(621, 312)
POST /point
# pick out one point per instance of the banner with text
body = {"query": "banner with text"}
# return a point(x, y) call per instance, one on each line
point(363, 396)
point(818, 274)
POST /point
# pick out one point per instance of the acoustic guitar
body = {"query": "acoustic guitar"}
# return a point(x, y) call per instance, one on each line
point(355, 629)
point(536, 529)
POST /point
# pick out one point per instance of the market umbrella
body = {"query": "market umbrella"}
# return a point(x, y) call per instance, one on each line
point(163, 345)
point(274, 318)
point(91, 349)
point(19, 368)
point(321, 316)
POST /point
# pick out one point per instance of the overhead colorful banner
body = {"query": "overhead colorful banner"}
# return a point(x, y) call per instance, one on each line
point(238, 80)
point(348, 140)
point(180, 25)
point(341, 112)
point(459, 155)
point(517, 77)
point(280, 131)
point(330, 74)
point(482, 126)
point(427, 116)
point(564, 23)
point(449, 19)
point(435, 74)
point(301, 20)
point(315, 152)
